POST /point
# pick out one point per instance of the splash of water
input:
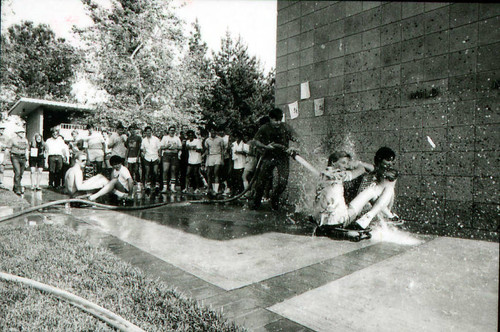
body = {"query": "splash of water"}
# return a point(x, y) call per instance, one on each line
point(387, 233)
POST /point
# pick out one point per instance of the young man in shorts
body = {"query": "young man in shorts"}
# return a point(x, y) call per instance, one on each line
point(215, 151)
point(150, 152)
point(170, 147)
point(132, 160)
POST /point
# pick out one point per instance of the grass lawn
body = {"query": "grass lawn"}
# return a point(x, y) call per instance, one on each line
point(56, 255)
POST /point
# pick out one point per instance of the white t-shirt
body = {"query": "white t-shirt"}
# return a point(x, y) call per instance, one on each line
point(171, 144)
point(122, 175)
point(56, 146)
point(238, 159)
point(194, 156)
point(151, 148)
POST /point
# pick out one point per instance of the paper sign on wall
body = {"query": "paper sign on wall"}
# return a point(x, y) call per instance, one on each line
point(304, 90)
point(294, 109)
point(319, 106)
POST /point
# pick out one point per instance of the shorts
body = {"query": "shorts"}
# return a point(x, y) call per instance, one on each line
point(36, 162)
point(170, 158)
point(214, 160)
point(95, 155)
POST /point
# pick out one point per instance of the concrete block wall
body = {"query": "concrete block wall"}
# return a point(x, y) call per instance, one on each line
point(421, 78)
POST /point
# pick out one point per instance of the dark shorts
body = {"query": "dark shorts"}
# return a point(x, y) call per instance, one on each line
point(36, 162)
point(170, 158)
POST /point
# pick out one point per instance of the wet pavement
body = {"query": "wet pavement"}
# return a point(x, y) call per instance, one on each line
point(266, 272)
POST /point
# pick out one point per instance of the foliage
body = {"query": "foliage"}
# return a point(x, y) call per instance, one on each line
point(34, 63)
point(135, 53)
point(241, 93)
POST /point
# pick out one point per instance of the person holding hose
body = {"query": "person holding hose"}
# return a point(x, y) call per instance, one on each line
point(273, 139)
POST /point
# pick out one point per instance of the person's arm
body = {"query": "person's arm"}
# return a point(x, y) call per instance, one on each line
point(361, 168)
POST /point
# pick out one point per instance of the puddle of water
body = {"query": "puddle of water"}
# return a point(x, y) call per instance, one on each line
point(6, 210)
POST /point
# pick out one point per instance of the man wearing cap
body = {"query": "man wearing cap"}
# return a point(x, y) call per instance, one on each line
point(3, 147)
point(19, 157)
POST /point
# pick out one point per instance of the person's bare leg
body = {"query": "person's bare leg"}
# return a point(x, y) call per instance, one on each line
point(109, 187)
point(381, 203)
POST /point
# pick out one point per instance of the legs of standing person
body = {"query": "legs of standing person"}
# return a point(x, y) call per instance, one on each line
point(18, 164)
point(33, 177)
point(263, 175)
point(283, 167)
point(58, 171)
point(166, 167)
point(52, 171)
point(236, 181)
point(217, 169)
point(147, 173)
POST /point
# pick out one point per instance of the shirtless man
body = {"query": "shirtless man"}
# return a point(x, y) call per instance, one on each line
point(74, 183)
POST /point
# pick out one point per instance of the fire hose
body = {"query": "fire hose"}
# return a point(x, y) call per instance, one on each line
point(87, 306)
point(92, 308)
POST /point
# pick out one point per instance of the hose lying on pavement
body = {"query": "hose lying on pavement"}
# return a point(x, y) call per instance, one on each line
point(84, 201)
point(105, 315)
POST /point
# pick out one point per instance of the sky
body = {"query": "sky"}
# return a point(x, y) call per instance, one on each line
point(253, 20)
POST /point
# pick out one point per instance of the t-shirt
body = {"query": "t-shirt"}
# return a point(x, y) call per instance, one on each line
point(122, 175)
point(18, 145)
point(134, 146)
point(280, 134)
point(214, 145)
point(151, 148)
point(117, 144)
point(238, 158)
point(194, 156)
point(95, 141)
point(56, 146)
point(171, 144)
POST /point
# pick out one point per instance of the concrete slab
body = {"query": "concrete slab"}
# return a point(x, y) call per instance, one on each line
point(447, 284)
point(228, 264)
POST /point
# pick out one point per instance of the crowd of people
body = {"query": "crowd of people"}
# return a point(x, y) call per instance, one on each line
point(131, 160)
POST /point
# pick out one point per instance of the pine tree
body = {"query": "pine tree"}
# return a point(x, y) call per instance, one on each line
point(36, 64)
point(240, 93)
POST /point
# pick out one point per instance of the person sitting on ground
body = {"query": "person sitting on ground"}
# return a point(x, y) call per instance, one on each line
point(380, 191)
point(330, 207)
point(121, 183)
point(74, 184)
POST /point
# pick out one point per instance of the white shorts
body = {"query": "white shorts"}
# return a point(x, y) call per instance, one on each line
point(213, 160)
point(95, 155)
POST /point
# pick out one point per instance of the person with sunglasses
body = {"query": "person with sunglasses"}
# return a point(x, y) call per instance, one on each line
point(74, 183)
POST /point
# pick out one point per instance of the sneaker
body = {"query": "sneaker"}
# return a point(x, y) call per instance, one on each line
point(197, 192)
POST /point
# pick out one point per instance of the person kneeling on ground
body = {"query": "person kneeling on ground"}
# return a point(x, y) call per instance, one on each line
point(121, 183)
point(330, 206)
point(74, 184)
point(380, 193)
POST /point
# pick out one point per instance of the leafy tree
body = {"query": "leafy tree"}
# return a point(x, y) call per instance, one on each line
point(135, 52)
point(241, 93)
point(34, 63)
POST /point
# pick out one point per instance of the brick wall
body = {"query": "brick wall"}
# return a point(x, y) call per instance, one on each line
point(421, 78)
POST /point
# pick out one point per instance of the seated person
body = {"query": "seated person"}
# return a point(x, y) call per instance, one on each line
point(73, 180)
point(330, 206)
point(121, 183)
point(379, 191)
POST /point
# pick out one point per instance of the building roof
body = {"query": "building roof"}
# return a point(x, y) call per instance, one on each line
point(25, 106)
